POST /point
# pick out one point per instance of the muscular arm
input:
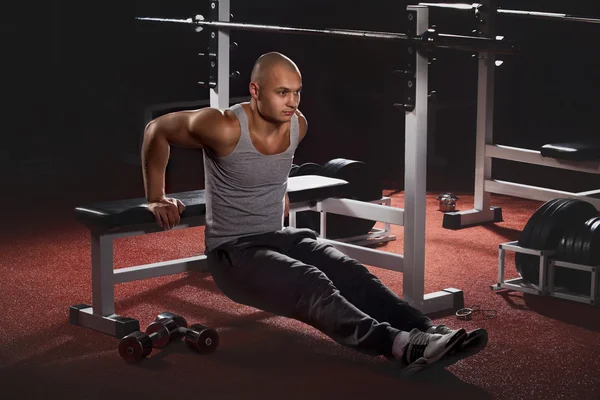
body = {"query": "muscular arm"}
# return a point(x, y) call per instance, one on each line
point(191, 129)
point(303, 123)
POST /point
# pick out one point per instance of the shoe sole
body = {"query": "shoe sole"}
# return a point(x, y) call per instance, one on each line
point(423, 363)
point(474, 342)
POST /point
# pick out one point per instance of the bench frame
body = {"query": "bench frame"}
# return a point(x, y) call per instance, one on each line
point(487, 150)
point(101, 315)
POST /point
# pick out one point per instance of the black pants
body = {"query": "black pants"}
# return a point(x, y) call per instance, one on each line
point(289, 273)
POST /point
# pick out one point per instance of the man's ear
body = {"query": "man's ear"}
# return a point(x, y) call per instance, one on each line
point(253, 89)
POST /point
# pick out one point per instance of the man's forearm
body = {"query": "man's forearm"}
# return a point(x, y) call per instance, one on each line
point(155, 156)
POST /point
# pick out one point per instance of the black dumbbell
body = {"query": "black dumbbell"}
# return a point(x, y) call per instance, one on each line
point(176, 324)
point(138, 345)
point(202, 338)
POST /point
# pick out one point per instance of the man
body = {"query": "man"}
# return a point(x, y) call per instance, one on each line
point(255, 260)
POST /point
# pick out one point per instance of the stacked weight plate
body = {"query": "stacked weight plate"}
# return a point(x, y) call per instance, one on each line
point(557, 225)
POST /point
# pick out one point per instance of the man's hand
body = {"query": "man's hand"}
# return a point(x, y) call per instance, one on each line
point(167, 212)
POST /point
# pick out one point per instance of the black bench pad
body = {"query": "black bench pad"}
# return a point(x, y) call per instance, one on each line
point(581, 150)
point(131, 212)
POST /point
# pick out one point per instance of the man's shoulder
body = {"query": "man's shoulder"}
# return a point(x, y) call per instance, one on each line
point(303, 122)
point(219, 127)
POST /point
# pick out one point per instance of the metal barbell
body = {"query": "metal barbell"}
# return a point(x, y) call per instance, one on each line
point(430, 38)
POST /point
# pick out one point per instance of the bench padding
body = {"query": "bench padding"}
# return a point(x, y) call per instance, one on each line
point(130, 212)
point(582, 150)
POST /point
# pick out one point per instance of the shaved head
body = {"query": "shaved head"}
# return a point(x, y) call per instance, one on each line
point(275, 86)
point(269, 62)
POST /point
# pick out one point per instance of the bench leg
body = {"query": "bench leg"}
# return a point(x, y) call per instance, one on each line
point(100, 316)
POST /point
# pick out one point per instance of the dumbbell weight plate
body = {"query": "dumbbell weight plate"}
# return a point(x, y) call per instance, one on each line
point(162, 331)
point(203, 339)
point(135, 346)
point(179, 320)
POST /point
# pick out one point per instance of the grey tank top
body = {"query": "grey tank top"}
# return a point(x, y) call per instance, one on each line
point(245, 190)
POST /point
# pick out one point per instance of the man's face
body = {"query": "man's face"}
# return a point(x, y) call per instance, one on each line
point(279, 94)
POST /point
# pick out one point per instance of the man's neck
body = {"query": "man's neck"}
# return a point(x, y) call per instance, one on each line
point(261, 126)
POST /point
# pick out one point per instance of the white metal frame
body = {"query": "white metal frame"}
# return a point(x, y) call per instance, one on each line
point(487, 150)
point(546, 285)
point(101, 315)
point(376, 236)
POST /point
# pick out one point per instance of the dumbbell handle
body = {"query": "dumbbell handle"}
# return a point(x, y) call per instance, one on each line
point(174, 328)
point(154, 336)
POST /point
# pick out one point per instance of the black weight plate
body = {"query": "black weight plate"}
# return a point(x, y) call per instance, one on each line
point(574, 280)
point(556, 220)
point(162, 337)
point(562, 250)
point(309, 169)
point(567, 278)
point(570, 244)
point(575, 221)
point(363, 183)
point(565, 245)
point(587, 249)
point(582, 232)
point(135, 347)
point(528, 265)
point(540, 236)
point(532, 222)
point(293, 170)
point(595, 246)
point(586, 257)
point(362, 186)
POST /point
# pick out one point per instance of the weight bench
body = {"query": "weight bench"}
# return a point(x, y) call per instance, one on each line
point(115, 219)
point(581, 150)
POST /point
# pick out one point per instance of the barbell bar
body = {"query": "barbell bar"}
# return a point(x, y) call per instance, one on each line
point(430, 38)
point(477, 7)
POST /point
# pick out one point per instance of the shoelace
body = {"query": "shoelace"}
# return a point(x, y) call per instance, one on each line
point(417, 345)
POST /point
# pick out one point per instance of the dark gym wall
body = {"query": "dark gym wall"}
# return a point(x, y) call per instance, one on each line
point(78, 76)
